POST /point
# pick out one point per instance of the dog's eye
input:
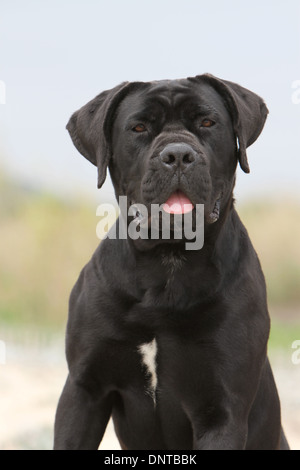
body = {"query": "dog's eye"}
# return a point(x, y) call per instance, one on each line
point(207, 123)
point(139, 128)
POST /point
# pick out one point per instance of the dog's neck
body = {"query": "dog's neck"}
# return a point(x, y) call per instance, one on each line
point(175, 270)
point(173, 261)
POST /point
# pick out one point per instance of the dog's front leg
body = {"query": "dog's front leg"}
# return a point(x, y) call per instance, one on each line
point(229, 436)
point(219, 423)
point(81, 418)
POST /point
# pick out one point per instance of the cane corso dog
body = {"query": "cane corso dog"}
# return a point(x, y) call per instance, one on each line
point(171, 342)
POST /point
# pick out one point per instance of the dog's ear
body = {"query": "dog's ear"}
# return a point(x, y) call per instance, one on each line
point(90, 127)
point(248, 112)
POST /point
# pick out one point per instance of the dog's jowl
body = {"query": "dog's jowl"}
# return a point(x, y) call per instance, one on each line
point(171, 342)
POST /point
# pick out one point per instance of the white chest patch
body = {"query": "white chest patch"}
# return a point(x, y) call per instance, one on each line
point(148, 352)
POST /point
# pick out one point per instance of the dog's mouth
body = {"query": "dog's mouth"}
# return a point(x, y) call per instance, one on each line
point(178, 203)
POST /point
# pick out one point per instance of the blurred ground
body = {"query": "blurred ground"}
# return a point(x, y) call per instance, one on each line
point(33, 377)
point(31, 382)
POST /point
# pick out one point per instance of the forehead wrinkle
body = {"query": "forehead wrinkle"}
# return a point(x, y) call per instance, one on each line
point(168, 96)
point(206, 108)
point(167, 92)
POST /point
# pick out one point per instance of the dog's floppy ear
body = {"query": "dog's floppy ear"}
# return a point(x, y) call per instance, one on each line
point(248, 112)
point(90, 127)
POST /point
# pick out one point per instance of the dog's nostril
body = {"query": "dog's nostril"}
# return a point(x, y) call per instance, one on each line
point(168, 158)
point(188, 158)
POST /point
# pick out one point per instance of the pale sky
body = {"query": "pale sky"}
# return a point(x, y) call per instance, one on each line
point(56, 55)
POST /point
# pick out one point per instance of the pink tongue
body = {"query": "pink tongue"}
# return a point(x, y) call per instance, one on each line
point(178, 203)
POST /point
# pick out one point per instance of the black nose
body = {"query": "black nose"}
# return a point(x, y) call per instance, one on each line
point(178, 155)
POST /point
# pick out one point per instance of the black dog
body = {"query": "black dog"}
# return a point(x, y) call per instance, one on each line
point(171, 342)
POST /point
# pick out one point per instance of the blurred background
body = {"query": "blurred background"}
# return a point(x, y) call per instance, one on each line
point(54, 57)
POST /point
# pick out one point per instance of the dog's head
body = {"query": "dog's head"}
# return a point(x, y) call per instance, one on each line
point(171, 142)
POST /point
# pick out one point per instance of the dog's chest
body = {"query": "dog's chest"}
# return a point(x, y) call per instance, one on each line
point(148, 356)
point(148, 352)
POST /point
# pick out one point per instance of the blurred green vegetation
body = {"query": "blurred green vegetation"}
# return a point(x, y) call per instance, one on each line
point(45, 242)
point(274, 228)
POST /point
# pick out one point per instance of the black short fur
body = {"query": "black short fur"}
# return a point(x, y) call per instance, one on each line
point(206, 310)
